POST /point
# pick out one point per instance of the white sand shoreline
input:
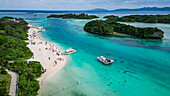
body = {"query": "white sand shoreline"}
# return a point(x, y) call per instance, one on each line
point(46, 53)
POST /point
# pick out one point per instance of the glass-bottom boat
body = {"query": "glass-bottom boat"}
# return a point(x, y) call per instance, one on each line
point(105, 60)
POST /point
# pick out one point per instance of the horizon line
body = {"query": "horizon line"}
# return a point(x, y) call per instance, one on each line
point(75, 9)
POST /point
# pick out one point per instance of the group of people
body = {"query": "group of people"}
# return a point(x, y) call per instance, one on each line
point(51, 47)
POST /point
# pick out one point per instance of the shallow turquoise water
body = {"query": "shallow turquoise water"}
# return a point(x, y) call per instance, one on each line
point(141, 67)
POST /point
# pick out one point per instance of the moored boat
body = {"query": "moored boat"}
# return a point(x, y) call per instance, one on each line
point(70, 51)
point(105, 60)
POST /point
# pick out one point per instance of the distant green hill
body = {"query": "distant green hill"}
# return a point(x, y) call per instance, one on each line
point(137, 9)
point(142, 18)
point(73, 16)
point(99, 9)
point(146, 9)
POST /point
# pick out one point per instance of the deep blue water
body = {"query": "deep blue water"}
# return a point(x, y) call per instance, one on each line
point(141, 66)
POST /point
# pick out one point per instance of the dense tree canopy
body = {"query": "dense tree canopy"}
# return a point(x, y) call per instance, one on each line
point(73, 16)
point(4, 82)
point(28, 85)
point(112, 17)
point(99, 27)
point(13, 32)
point(13, 27)
point(142, 18)
point(110, 25)
point(14, 48)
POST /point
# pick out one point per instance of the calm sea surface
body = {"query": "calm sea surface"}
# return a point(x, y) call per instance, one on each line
point(141, 67)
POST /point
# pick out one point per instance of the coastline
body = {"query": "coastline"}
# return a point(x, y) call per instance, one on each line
point(45, 52)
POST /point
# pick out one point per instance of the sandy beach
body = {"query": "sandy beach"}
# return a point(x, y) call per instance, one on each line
point(47, 53)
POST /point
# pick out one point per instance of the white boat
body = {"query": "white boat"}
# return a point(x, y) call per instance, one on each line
point(41, 29)
point(70, 51)
point(105, 60)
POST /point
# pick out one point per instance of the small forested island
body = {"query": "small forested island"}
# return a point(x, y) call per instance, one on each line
point(110, 26)
point(73, 16)
point(13, 55)
point(142, 18)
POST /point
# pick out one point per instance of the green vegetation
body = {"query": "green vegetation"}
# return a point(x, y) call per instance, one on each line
point(142, 18)
point(4, 82)
point(73, 16)
point(16, 29)
point(109, 26)
point(99, 27)
point(112, 18)
point(13, 48)
point(28, 85)
point(35, 67)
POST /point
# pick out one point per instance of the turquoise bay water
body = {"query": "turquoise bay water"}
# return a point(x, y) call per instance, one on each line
point(141, 66)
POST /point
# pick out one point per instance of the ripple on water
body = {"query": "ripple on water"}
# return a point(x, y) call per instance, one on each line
point(134, 43)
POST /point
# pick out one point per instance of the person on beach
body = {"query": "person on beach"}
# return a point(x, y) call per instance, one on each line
point(49, 58)
point(57, 53)
point(55, 62)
